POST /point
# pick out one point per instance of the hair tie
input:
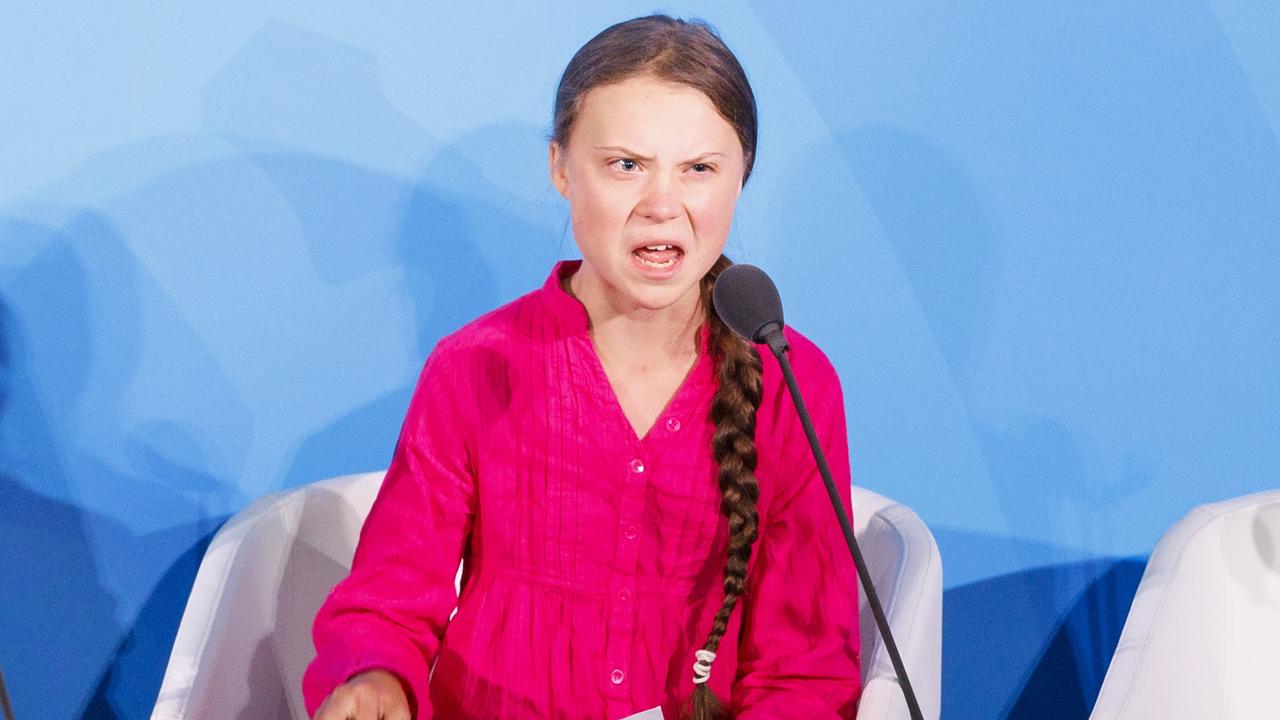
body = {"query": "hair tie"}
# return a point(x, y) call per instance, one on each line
point(702, 668)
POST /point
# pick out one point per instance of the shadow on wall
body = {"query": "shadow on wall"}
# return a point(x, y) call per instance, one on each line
point(448, 228)
point(1014, 649)
point(131, 680)
point(442, 232)
point(932, 215)
point(1066, 680)
point(67, 599)
point(1056, 621)
point(1087, 600)
point(52, 584)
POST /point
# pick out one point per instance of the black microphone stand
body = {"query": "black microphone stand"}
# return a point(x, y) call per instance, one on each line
point(778, 344)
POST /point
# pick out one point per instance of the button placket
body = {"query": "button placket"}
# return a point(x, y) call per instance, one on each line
point(620, 632)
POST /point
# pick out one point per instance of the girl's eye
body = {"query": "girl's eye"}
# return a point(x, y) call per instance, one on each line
point(625, 164)
point(701, 168)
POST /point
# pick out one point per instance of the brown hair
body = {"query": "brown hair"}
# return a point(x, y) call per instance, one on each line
point(688, 52)
point(691, 53)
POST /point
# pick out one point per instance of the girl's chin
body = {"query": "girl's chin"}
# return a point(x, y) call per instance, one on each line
point(626, 286)
point(648, 296)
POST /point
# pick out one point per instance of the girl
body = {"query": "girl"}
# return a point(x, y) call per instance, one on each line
point(626, 481)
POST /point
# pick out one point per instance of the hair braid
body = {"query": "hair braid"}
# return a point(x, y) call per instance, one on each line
point(733, 411)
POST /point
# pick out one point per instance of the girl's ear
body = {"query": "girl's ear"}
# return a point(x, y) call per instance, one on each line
point(555, 162)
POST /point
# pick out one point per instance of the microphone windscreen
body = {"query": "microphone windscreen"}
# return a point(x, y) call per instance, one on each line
point(747, 301)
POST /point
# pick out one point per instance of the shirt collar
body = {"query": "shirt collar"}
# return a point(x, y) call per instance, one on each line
point(571, 314)
point(568, 311)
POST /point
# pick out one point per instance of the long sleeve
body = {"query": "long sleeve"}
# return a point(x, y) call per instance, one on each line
point(799, 653)
point(390, 613)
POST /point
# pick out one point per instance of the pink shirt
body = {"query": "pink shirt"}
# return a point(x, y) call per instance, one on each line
point(594, 558)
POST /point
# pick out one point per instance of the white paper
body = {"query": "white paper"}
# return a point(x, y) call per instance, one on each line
point(650, 714)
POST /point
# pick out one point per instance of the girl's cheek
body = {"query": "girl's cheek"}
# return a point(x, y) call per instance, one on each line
point(715, 211)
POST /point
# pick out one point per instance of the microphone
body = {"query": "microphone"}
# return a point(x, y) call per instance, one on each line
point(748, 302)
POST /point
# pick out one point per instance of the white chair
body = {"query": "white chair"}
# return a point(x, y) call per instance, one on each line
point(245, 636)
point(1202, 639)
point(907, 571)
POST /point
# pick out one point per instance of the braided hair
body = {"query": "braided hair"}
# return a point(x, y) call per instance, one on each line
point(733, 445)
point(690, 52)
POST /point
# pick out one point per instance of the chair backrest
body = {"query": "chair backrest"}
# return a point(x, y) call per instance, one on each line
point(1202, 639)
point(245, 637)
point(906, 570)
point(244, 640)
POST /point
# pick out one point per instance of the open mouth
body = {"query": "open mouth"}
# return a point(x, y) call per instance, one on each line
point(658, 257)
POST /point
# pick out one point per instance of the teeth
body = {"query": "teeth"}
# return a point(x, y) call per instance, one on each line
point(666, 264)
point(658, 247)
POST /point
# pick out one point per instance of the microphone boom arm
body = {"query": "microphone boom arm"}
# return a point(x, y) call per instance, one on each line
point(780, 347)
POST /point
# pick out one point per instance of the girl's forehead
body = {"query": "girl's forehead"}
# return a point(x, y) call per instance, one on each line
point(659, 113)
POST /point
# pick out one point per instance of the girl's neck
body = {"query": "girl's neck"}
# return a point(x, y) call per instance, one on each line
point(638, 335)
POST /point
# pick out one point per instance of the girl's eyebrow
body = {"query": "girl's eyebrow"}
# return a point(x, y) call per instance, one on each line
point(637, 156)
point(624, 151)
point(705, 156)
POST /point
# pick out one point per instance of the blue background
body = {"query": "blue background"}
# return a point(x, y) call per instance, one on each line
point(1040, 243)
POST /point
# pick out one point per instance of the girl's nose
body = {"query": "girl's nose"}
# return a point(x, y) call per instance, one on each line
point(661, 201)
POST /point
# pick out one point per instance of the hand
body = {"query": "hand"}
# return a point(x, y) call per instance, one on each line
point(370, 695)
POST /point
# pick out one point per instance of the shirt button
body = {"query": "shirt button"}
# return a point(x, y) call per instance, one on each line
point(673, 424)
point(637, 466)
point(631, 532)
point(624, 595)
point(617, 676)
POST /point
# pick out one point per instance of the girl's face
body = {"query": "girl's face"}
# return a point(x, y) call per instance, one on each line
point(652, 174)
